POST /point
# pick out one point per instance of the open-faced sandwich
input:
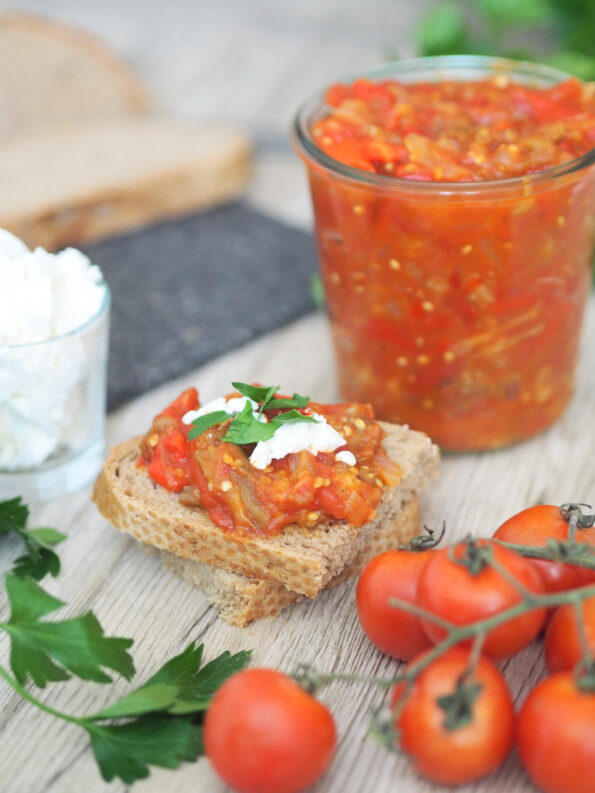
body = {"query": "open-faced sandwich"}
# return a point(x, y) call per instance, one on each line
point(259, 499)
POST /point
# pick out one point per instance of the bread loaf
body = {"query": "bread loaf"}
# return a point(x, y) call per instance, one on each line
point(68, 185)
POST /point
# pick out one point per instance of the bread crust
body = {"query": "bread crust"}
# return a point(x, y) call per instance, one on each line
point(241, 600)
point(303, 560)
point(52, 72)
point(97, 183)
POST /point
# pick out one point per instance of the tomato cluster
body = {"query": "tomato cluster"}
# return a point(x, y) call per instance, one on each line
point(451, 711)
point(456, 718)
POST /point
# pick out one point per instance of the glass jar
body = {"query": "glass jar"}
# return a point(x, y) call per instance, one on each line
point(455, 307)
point(52, 410)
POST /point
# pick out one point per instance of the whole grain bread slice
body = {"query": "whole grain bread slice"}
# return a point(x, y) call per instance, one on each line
point(303, 560)
point(75, 183)
point(241, 600)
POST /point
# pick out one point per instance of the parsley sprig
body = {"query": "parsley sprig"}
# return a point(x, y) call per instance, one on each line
point(159, 723)
point(39, 558)
point(247, 426)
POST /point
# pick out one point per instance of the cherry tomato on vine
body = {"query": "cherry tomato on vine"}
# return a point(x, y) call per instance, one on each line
point(562, 641)
point(452, 588)
point(393, 574)
point(535, 526)
point(440, 749)
point(556, 735)
point(264, 734)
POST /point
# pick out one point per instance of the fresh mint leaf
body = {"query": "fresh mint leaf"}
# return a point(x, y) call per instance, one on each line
point(296, 401)
point(127, 750)
point(246, 428)
point(291, 416)
point(45, 651)
point(257, 393)
point(204, 423)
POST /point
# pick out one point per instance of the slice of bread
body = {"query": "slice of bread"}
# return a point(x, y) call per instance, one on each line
point(76, 183)
point(51, 73)
point(304, 560)
point(240, 600)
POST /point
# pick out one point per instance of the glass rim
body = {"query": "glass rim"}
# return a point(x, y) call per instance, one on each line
point(78, 331)
point(305, 144)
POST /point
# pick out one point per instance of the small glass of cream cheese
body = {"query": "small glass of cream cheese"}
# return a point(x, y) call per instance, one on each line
point(54, 320)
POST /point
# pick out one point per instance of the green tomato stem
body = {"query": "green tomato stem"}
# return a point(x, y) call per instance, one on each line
point(579, 554)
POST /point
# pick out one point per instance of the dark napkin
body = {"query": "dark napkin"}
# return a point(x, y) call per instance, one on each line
point(188, 290)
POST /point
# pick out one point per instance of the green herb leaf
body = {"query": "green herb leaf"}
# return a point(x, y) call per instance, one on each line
point(13, 515)
point(257, 393)
point(316, 285)
point(40, 559)
point(163, 731)
point(293, 416)
point(45, 651)
point(180, 686)
point(37, 565)
point(517, 12)
point(46, 536)
point(127, 750)
point(245, 428)
point(204, 423)
point(443, 31)
point(576, 63)
point(296, 401)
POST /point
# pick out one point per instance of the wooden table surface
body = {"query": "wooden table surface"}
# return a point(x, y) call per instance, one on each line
point(193, 57)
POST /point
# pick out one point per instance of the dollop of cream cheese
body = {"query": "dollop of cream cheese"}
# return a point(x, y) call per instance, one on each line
point(232, 407)
point(43, 296)
point(297, 436)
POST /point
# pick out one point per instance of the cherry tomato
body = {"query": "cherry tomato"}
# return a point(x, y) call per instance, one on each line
point(393, 574)
point(265, 734)
point(535, 526)
point(556, 735)
point(562, 642)
point(467, 752)
point(450, 590)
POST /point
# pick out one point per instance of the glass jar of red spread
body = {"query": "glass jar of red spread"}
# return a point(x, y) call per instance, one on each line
point(454, 203)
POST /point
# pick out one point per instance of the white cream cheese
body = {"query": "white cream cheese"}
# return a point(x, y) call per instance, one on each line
point(346, 457)
point(231, 407)
point(43, 296)
point(297, 436)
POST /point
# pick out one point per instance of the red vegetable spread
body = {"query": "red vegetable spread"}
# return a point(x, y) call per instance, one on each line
point(301, 488)
point(456, 131)
point(456, 311)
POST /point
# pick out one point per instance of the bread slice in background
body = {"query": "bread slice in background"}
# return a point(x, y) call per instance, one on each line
point(302, 559)
point(240, 600)
point(71, 184)
point(51, 73)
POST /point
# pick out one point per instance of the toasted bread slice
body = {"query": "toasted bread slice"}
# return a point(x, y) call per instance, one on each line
point(83, 181)
point(302, 559)
point(240, 600)
point(51, 73)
